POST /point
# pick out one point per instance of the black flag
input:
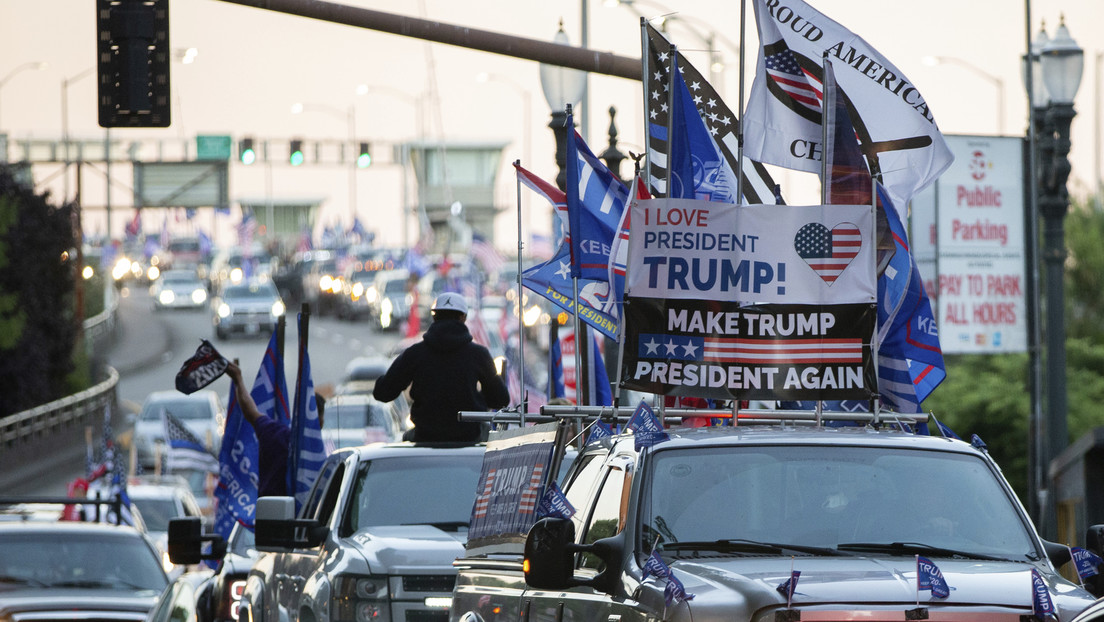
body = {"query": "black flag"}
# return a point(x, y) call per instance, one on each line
point(203, 368)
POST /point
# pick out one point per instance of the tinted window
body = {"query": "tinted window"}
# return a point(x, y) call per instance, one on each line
point(157, 512)
point(444, 486)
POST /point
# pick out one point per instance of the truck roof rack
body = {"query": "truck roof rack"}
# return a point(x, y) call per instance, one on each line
point(622, 415)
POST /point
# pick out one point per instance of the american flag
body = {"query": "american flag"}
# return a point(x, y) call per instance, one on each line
point(828, 252)
point(186, 451)
point(556, 197)
point(246, 229)
point(751, 351)
point(757, 184)
point(799, 84)
point(486, 254)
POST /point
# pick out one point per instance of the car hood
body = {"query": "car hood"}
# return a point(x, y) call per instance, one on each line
point(108, 604)
point(406, 549)
point(867, 582)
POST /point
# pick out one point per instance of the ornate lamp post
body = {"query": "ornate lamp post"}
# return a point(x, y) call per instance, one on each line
point(562, 87)
point(1060, 64)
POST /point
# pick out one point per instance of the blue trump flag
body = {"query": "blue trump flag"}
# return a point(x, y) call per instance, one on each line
point(698, 169)
point(554, 503)
point(552, 280)
point(1086, 562)
point(929, 577)
point(656, 567)
point(789, 586)
point(307, 451)
point(1041, 603)
point(595, 201)
point(646, 428)
point(237, 488)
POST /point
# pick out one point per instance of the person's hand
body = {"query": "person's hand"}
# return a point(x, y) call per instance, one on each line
point(233, 371)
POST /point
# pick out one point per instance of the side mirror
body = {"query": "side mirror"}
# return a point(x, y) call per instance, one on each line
point(1059, 554)
point(277, 529)
point(549, 556)
point(186, 542)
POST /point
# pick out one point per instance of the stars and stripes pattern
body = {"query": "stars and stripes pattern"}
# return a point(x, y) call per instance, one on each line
point(484, 499)
point(486, 254)
point(530, 497)
point(802, 86)
point(828, 252)
point(757, 185)
point(186, 451)
point(750, 351)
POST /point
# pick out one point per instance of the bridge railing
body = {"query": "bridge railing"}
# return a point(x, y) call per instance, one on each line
point(51, 432)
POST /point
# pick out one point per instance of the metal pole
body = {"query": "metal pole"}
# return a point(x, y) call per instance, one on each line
point(1035, 481)
point(353, 165)
point(521, 320)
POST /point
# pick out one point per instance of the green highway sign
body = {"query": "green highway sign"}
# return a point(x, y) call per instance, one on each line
point(213, 147)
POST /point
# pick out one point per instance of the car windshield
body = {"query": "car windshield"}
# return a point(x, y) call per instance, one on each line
point(445, 486)
point(186, 411)
point(156, 512)
point(394, 286)
point(854, 499)
point(347, 416)
point(51, 558)
point(253, 292)
point(179, 277)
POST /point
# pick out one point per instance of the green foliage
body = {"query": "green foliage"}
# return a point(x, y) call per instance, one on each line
point(36, 296)
point(1085, 273)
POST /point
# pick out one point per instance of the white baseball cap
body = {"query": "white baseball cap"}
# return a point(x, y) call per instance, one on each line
point(451, 301)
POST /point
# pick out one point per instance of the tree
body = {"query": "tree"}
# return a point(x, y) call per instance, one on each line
point(37, 275)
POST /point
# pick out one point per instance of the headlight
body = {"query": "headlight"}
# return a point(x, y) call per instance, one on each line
point(153, 273)
point(278, 308)
point(372, 294)
point(87, 272)
point(122, 267)
point(199, 296)
point(336, 285)
point(236, 275)
point(224, 310)
point(166, 297)
point(360, 598)
point(358, 290)
point(325, 283)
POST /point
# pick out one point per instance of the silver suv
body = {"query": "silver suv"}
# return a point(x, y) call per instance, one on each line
point(731, 512)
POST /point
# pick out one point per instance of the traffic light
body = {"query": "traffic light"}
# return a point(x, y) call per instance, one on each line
point(133, 56)
point(296, 157)
point(245, 151)
point(364, 158)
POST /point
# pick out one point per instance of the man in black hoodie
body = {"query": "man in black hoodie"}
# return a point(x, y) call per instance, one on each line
point(447, 372)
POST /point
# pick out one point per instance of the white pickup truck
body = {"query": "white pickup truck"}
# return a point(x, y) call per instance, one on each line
point(733, 512)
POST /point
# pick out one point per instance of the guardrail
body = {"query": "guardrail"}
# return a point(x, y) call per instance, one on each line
point(50, 429)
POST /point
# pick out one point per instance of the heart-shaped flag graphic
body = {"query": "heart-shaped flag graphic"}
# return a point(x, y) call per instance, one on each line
point(828, 252)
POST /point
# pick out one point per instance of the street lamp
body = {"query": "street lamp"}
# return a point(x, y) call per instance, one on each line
point(932, 61)
point(1060, 63)
point(20, 69)
point(561, 86)
point(65, 82)
point(350, 122)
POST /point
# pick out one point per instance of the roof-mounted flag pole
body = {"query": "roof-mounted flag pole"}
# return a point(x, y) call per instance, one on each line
point(740, 104)
point(523, 406)
point(572, 164)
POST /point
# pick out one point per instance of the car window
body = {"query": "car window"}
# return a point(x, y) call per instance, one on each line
point(111, 561)
point(825, 496)
point(395, 286)
point(157, 512)
point(333, 465)
point(445, 486)
point(608, 516)
point(577, 489)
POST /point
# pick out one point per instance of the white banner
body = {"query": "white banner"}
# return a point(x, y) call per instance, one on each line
point(689, 249)
point(970, 227)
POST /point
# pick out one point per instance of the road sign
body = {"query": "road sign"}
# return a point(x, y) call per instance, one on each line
point(213, 147)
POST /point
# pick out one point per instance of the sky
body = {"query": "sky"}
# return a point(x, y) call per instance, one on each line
point(252, 65)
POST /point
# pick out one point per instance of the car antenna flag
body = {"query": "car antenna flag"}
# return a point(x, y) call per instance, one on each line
point(201, 369)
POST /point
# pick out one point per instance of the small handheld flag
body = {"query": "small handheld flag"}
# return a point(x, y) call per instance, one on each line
point(1086, 562)
point(656, 567)
point(789, 586)
point(554, 503)
point(928, 577)
point(675, 591)
point(1041, 604)
point(599, 431)
point(203, 368)
point(646, 428)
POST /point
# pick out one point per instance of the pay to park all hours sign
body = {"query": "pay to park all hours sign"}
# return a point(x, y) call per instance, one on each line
point(970, 227)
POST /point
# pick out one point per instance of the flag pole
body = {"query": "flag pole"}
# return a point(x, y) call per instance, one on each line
point(826, 118)
point(740, 112)
point(521, 323)
point(580, 337)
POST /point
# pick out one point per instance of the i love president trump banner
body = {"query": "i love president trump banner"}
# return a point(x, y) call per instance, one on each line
point(750, 302)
